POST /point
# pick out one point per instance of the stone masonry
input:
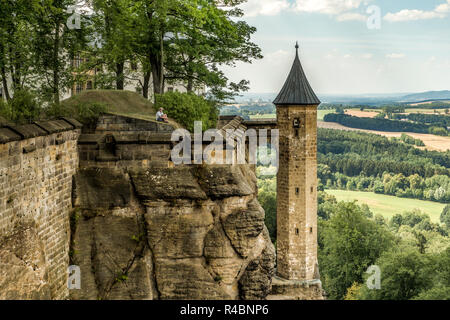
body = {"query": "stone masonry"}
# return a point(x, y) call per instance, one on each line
point(297, 193)
point(37, 163)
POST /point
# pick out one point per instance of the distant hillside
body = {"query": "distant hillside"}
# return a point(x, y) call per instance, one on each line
point(424, 96)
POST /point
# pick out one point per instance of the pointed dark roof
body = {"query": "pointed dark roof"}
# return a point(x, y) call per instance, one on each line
point(296, 90)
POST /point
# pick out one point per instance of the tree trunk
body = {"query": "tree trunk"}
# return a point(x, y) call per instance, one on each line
point(156, 74)
point(3, 73)
point(190, 85)
point(146, 84)
point(5, 84)
point(119, 76)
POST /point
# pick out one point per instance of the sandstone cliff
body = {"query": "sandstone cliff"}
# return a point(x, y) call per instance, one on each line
point(190, 232)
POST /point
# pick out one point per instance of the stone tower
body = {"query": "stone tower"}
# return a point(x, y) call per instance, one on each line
point(297, 178)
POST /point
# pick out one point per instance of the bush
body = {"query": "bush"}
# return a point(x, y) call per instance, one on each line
point(85, 112)
point(23, 108)
point(186, 108)
point(439, 131)
point(445, 216)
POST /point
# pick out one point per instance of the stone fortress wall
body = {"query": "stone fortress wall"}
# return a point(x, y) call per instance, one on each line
point(108, 199)
point(37, 163)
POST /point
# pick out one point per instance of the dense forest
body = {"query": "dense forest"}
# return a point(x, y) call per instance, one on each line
point(434, 119)
point(376, 123)
point(351, 238)
point(368, 162)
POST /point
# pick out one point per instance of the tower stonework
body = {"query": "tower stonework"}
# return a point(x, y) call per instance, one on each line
point(297, 269)
point(297, 193)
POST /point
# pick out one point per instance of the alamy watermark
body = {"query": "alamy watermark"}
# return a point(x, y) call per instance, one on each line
point(374, 281)
point(74, 21)
point(231, 146)
point(74, 279)
point(374, 20)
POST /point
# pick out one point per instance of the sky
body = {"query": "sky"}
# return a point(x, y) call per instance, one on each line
point(342, 50)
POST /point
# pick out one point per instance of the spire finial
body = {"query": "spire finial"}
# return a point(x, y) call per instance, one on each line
point(296, 47)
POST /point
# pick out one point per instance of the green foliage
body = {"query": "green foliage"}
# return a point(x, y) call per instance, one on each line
point(326, 205)
point(23, 108)
point(409, 219)
point(408, 274)
point(353, 153)
point(434, 119)
point(268, 201)
point(267, 197)
point(85, 112)
point(410, 140)
point(186, 108)
point(366, 162)
point(404, 274)
point(376, 123)
point(121, 278)
point(349, 243)
point(445, 216)
point(439, 131)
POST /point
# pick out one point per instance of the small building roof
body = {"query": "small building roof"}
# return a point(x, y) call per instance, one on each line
point(296, 89)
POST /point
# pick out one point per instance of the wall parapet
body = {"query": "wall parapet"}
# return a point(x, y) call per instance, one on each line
point(37, 129)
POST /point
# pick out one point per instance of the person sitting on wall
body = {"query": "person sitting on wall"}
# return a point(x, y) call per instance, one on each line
point(160, 116)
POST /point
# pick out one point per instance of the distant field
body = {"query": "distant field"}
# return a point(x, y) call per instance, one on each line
point(432, 142)
point(388, 206)
point(361, 114)
point(407, 111)
point(263, 116)
point(320, 115)
point(428, 102)
point(323, 113)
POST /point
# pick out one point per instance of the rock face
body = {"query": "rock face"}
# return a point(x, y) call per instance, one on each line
point(190, 232)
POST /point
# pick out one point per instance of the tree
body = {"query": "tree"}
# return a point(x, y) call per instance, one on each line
point(188, 41)
point(445, 216)
point(54, 46)
point(15, 44)
point(203, 45)
point(115, 23)
point(268, 201)
point(404, 274)
point(350, 244)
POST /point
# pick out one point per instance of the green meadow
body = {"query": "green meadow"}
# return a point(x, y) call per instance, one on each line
point(388, 206)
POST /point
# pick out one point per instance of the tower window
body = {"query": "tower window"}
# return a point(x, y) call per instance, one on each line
point(296, 132)
point(310, 230)
point(312, 189)
point(296, 123)
point(297, 191)
point(297, 231)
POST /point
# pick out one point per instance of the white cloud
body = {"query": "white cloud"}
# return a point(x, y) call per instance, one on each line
point(340, 8)
point(443, 8)
point(327, 6)
point(395, 55)
point(277, 57)
point(367, 56)
point(411, 15)
point(349, 16)
point(254, 8)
